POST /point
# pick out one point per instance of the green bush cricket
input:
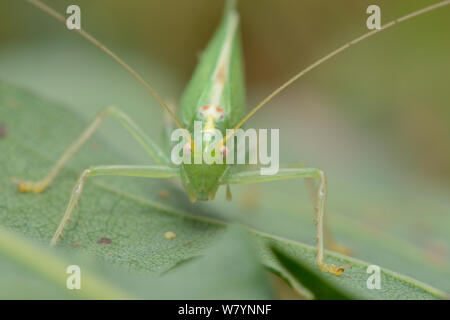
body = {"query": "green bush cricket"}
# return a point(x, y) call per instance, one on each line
point(215, 96)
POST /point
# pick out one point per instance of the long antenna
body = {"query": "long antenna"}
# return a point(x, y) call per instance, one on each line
point(102, 47)
point(329, 56)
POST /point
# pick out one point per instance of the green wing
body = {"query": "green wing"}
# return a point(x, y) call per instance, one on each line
point(199, 88)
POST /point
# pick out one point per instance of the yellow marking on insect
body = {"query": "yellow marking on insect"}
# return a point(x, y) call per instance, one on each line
point(211, 113)
point(170, 235)
point(25, 186)
point(210, 125)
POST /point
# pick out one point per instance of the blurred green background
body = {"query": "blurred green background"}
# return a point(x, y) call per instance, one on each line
point(375, 118)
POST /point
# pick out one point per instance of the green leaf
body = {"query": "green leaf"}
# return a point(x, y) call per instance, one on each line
point(31, 271)
point(320, 287)
point(229, 269)
point(129, 212)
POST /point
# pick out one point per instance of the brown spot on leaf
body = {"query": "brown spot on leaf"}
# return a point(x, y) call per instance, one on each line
point(251, 200)
point(104, 241)
point(94, 146)
point(436, 253)
point(75, 244)
point(164, 194)
point(3, 131)
point(12, 103)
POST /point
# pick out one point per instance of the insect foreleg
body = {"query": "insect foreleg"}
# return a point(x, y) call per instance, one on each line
point(155, 152)
point(131, 171)
point(254, 176)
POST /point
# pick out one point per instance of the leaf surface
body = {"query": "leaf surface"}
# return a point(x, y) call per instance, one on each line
point(130, 212)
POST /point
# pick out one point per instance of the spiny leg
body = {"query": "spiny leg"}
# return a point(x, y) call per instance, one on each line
point(131, 171)
point(254, 176)
point(155, 152)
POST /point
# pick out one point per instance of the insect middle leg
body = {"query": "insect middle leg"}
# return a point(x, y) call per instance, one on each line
point(131, 171)
point(152, 148)
point(330, 243)
point(254, 176)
